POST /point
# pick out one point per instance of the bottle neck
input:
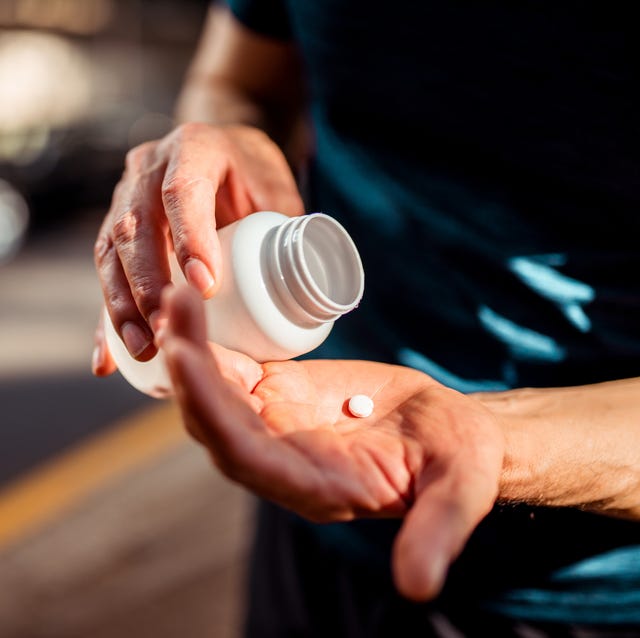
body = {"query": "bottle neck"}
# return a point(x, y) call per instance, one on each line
point(314, 269)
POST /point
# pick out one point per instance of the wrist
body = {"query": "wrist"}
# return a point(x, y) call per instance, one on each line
point(573, 446)
point(517, 412)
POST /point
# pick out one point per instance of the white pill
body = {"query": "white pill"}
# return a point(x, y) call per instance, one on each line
point(360, 405)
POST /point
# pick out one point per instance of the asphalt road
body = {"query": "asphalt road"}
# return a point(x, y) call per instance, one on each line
point(49, 300)
point(110, 515)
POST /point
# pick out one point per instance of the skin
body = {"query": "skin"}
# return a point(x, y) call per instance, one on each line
point(208, 172)
point(171, 196)
point(283, 430)
point(572, 447)
point(435, 457)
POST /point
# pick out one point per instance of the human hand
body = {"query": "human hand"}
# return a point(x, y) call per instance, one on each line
point(427, 453)
point(175, 191)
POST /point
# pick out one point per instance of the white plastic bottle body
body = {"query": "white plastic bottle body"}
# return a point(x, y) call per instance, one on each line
point(284, 282)
point(244, 315)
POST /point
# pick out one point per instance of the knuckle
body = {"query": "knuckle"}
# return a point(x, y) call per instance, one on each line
point(127, 226)
point(119, 304)
point(143, 289)
point(174, 187)
point(133, 159)
point(120, 189)
point(183, 187)
point(136, 157)
point(102, 249)
point(181, 243)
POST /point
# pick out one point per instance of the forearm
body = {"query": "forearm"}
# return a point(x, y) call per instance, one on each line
point(210, 92)
point(239, 77)
point(576, 446)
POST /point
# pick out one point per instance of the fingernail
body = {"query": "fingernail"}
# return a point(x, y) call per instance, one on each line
point(96, 359)
point(198, 276)
point(134, 338)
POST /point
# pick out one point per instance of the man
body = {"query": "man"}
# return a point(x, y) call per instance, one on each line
point(485, 160)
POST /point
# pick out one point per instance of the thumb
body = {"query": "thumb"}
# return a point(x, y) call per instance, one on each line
point(446, 511)
point(186, 319)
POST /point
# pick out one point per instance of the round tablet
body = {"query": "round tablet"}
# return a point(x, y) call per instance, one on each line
point(360, 405)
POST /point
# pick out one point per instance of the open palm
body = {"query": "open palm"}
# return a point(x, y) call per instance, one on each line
point(282, 429)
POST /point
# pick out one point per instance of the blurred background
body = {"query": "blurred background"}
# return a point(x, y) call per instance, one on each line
point(112, 522)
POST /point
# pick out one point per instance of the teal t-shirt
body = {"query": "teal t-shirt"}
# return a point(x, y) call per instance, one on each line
point(485, 157)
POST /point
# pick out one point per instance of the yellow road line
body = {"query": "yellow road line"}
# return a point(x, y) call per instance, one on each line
point(43, 494)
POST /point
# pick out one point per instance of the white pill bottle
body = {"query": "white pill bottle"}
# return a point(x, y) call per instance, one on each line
point(285, 282)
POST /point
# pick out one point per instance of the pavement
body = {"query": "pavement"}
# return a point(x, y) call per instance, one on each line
point(112, 521)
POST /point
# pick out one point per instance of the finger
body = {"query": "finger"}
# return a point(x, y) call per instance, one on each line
point(239, 368)
point(189, 190)
point(268, 179)
point(436, 528)
point(275, 190)
point(139, 229)
point(218, 413)
point(185, 316)
point(119, 302)
point(184, 312)
point(212, 406)
point(130, 253)
point(102, 363)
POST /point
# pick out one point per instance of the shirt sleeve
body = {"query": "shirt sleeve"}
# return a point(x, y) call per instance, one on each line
point(266, 17)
